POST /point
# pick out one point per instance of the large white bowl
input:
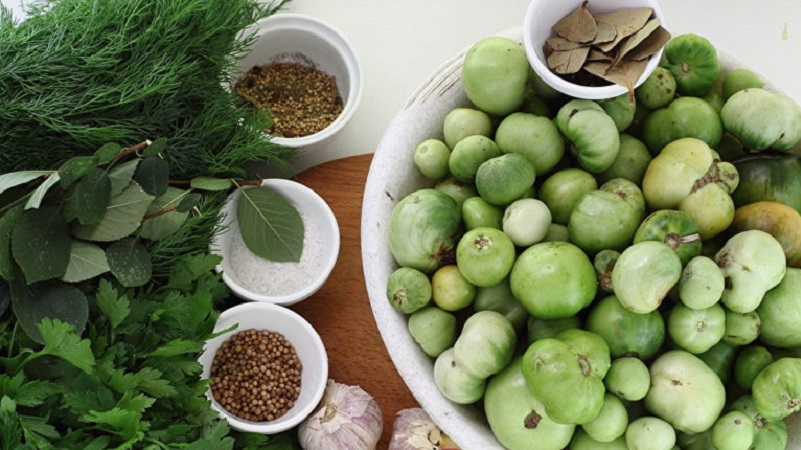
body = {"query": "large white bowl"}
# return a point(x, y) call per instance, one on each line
point(392, 176)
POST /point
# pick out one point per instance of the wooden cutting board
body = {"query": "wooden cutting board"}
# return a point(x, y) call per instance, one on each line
point(340, 311)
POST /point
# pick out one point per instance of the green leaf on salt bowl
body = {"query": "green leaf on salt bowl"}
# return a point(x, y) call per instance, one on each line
point(271, 227)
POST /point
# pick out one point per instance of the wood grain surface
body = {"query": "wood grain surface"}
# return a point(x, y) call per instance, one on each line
point(340, 311)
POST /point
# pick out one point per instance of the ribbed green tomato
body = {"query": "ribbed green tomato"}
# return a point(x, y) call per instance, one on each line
point(644, 274)
point(592, 132)
point(777, 389)
point(693, 61)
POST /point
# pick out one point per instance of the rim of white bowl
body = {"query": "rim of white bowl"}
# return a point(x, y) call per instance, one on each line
point(572, 89)
point(306, 193)
point(319, 390)
point(346, 51)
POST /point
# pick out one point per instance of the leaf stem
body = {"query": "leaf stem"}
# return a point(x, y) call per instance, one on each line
point(135, 149)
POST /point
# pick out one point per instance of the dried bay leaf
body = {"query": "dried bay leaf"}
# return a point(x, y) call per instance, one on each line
point(637, 38)
point(605, 32)
point(578, 26)
point(559, 43)
point(624, 74)
point(597, 55)
point(568, 61)
point(652, 44)
point(626, 21)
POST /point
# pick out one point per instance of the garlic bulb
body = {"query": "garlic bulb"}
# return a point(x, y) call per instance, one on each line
point(414, 430)
point(348, 419)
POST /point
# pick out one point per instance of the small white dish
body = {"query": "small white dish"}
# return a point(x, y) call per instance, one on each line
point(323, 221)
point(308, 346)
point(540, 18)
point(281, 37)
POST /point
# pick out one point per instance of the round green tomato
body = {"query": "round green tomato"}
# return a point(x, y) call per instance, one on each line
point(562, 190)
point(477, 212)
point(742, 329)
point(608, 217)
point(547, 328)
point(533, 104)
point(761, 119)
point(431, 158)
point(780, 312)
point(553, 280)
point(696, 330)
point(768, 434)
point(451, 290)
point(631, 161)
point(532, 136)
point(685, 392)
point(658, 89)
point(769, 177)
point(701, 283)
point(620, 109)
point(485, 256)
point(454, 383)
point(739, 79)
point(592, 132)
point(712, 209)
point(644, 274)
point(459, 191)
point(628, 378)
point(494, 75)
point(526, 221)
point(486, 344)
point(693, 61)
point(504, 179)
point(462, 122)
point(499, 298)
point(517, 418)
point(683, 117)
point(468, 154)
point(611, 422)
point(777, 389)
point(583, 441)
point(540, 87)
point(733, 431)
point(627, 333)
point(720, 358)
point(589, 346)
point(749, 363)
point(433, 329)
point(556, 233)
point(675, 228)
point(408, 290)
point(650, 433)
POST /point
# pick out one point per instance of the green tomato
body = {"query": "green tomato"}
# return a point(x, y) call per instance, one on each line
point(611, 422)
point(451, 290)
point(768, 434)
point(628, 378)
point(733, 431)
point(553, 280)
point(777, 389)
point(696, 330)
point(742, 329)
point(650, 433)
point(591, 345)
point(526, 221)
point(693, 61)
point(607, 218)
point(517, 418)
point(780, 312)
point(604, 263)
point(536, 105)
point(685, 392)
point(459, 191)
point(631, 162)
point(556, 233)
point(462, 122)
point(644, 274)
point(423, 229)
point(532, 136)
point(549, 328)
point(468, 154)
point(683, 117)
point(454, 383)
point(697, 441)
point(592, 132)
point(769, 177)
point(583, 441)
point(477, 212)
point(494, 75)
point(620, 109)
point(675, 228)
point(739, 79)
point(564, 379)
point(753, 263)
point(658, 89)
point(540, 87)
point(408, 290)
point(701, 283)
point(761, 119)
point(499, 298)
point(433, 329)
point(720, 358)
point(504, 179)
point(627, 333)
point(486, 344)
point(749, 363)
point(485, 256)
point(562, 190)
point(431, 158)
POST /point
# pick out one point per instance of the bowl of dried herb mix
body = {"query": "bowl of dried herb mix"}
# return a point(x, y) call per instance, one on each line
point(268, 374)
point(305, 74)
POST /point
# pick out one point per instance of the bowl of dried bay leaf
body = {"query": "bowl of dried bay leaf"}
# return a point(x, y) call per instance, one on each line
point(594, 49)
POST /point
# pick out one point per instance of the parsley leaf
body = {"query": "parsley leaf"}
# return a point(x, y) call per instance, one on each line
point(113, 306)
point(60, 340)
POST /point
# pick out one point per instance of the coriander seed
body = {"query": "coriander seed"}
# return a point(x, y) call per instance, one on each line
point(256, 375)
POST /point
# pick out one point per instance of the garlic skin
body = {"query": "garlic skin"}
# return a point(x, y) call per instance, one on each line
point(348, 419)
point(414, 430)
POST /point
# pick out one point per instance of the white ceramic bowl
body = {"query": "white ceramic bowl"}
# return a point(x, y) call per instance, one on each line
point(540, 17)
point(283, 36)
point(392, 176)
point(307, 202)
point(309, 348)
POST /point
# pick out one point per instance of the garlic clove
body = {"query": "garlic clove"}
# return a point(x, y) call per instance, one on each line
point(414, 430)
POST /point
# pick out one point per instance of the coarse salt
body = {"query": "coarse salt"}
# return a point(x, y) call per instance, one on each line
point(265, 277)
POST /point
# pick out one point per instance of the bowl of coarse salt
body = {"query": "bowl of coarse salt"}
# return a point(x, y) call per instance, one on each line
point(253, 277)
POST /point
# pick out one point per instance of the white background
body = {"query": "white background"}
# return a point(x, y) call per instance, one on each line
point(401, 42)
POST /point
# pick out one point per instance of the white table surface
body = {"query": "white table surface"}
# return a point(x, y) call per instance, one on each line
point(400, 43)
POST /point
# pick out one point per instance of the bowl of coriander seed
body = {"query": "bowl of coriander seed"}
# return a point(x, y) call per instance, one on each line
point(304, 73)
